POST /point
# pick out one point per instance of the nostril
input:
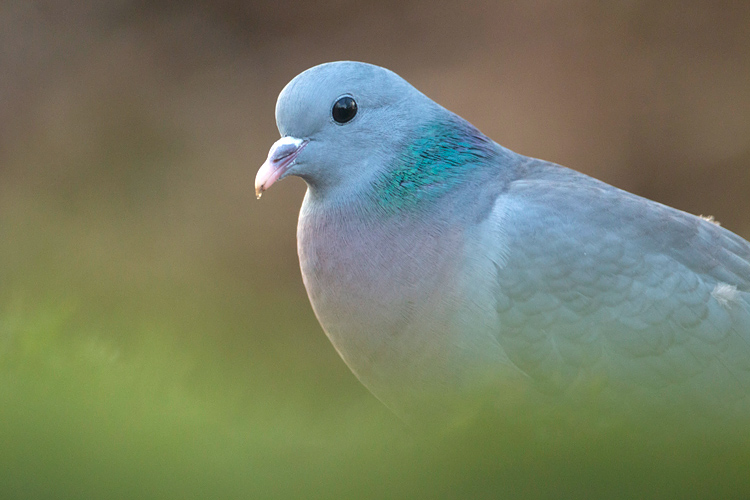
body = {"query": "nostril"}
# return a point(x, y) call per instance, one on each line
point(285, 147)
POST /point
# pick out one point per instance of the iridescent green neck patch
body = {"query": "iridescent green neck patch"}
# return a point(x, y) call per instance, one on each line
point(434, 163)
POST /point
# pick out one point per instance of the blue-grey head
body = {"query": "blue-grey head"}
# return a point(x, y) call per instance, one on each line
point(349, 126)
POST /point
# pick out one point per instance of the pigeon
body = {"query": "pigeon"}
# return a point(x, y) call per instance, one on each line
point(451, 273)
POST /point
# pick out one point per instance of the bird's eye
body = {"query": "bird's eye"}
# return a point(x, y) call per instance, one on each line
point(344, 109)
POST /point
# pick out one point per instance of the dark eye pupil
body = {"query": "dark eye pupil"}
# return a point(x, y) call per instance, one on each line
point(344, 109)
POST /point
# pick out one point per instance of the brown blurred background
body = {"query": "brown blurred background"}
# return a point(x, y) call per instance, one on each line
point(131, 131)
point(159, 113)
point(167, 109)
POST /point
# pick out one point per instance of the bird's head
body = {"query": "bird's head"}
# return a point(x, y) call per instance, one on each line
point(340, 122)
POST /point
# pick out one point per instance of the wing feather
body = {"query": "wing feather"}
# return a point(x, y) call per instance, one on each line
point(598, 284)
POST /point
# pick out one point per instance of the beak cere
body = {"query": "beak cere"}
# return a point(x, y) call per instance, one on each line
point(280, 159)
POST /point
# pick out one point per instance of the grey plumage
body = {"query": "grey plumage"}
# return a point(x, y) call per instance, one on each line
point(448, 270)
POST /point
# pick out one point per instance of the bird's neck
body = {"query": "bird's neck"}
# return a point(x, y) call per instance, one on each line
point(418, 174)
point(440, 156)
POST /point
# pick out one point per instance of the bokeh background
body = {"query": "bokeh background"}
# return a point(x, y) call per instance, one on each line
point(155, 337)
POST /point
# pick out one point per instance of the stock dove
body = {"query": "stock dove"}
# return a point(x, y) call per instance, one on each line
point(446, 269)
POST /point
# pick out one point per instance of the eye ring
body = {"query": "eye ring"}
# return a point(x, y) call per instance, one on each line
point(344, 109)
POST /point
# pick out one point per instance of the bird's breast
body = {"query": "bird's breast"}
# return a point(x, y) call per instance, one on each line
point(389, 297)
point(367, 282)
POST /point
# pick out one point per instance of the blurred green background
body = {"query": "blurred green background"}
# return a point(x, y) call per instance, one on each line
point(155, 337)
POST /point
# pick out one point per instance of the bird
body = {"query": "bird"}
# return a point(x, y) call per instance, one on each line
point(451, 273)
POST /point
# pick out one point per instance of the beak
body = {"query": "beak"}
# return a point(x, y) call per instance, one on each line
point(280, 159)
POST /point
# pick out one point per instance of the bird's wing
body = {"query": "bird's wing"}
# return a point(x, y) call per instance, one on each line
point(597, 287)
